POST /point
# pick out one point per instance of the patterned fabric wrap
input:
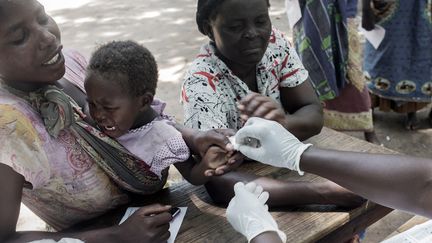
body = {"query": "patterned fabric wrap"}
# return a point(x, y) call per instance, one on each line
point(321, 39)
point(60, 111)
point(401, 68)
point(351, 110)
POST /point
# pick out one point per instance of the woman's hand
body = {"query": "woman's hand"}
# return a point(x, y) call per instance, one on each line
point(148, 224)
point(257, 105)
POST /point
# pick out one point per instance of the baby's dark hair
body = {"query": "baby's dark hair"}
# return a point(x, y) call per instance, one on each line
point(130, 59)
point(207, 10)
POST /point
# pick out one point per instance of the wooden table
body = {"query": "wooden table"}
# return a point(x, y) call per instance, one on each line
point(205, 222)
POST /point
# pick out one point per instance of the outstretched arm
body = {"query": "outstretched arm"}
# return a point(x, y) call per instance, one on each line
point(305, 118)
point(395, 181)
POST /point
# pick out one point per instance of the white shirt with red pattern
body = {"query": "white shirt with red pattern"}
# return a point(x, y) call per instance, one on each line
point(210, 90)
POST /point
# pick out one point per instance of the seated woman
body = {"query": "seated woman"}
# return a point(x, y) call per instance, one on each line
point(246, 56)
point(42, 160)
point(249, 69)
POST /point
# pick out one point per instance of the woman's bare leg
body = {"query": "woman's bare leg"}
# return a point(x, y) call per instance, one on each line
point(411, 121)
point(371, 137)
point(284, 193)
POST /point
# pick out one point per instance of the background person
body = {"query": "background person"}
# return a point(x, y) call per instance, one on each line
point(400, 70)
point(328, 43)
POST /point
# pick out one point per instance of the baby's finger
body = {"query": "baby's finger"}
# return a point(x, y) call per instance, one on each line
point(236, 157)
point(209, 173)
point(224, 169)
point(230, 152)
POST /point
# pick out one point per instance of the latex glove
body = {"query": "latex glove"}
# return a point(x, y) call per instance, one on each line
point(63, 240)
point(248, 213)
point(276, 145)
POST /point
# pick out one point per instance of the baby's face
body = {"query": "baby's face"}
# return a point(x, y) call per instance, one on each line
point(112, 108)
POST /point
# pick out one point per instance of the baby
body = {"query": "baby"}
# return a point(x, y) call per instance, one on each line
point(121, 84)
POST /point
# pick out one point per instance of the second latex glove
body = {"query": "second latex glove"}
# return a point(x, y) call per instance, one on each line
point(248, 213)
point(277, 146)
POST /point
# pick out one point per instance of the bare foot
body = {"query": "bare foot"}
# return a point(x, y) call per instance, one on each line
point(355, 239)
point(371, 137)
point(411, 122)
point(332, 193)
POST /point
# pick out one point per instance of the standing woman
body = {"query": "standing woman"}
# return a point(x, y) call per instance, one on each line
point(328, 43)
point(400, 70)
point(249, 69)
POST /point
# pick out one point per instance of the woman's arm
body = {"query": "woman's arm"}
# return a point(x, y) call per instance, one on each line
point(395, 181)
point(11, 186)
point(140, 228)
point(305, 115)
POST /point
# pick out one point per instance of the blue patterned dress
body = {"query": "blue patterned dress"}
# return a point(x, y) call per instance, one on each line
point(400, 70)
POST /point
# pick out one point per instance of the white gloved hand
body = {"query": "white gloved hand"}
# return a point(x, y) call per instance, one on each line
point(277, 146)
point(248, 213)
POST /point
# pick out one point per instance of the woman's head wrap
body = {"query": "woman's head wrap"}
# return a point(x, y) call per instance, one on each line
point(207, 9)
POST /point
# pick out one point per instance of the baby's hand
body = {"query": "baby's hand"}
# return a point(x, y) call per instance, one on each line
point(220, 161)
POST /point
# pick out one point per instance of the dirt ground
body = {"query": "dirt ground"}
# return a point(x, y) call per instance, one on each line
point(168, 29)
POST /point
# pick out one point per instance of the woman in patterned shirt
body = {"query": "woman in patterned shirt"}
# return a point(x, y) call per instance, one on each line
point(249, 69)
